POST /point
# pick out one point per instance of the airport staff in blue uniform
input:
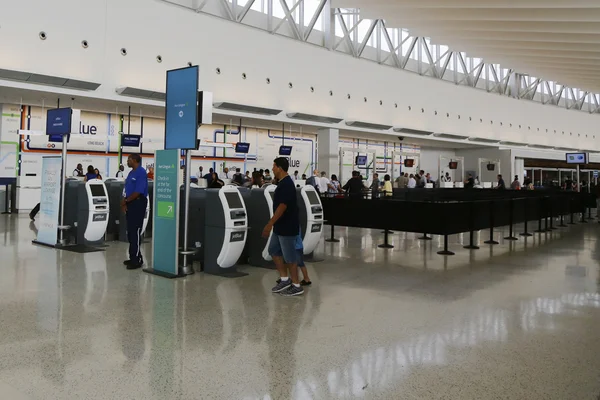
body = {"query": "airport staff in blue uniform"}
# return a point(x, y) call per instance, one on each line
point(134, 203)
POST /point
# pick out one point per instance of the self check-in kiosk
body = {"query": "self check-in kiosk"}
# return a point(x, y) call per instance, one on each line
point(311, 217)
point(260, 210)
point(117, 224)
point(218, 227)
point(87, 210)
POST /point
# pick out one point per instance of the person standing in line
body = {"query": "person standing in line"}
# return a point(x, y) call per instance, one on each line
point(91, 173)
point(267, 177)
point(354, 187)
point(412, 182)
point(209, 177)
point(78, 172)
point(97, 172)
point(200, 173)
point(405, 180)
point(226, 172)
point(323, 182)
point(375, 187)
point(387, 189)
point(314, 180)
point(516, 185)
point(334, 186)
point(120, 171)
point(134, 205)
point(501, 184)
point(285, 225)
point(470, 182)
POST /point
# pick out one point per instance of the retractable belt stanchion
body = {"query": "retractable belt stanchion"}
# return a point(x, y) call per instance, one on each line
point(562, 212)
point(332, 239)
point(385, 244)
point(551, 212)
point(582, 200)
point(491, 241)
point(471, 245)
point(445, 252)
point(510, 225)
point(571, 211)
point(526, 219)
point(540, 208)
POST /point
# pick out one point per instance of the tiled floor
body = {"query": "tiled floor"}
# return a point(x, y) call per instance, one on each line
point(519, 320)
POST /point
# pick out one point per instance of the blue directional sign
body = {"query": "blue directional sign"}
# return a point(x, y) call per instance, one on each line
point(181, 108)
point(58, 121)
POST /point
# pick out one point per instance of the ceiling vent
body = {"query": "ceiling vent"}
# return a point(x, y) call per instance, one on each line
point(450, 136)
point(37, 79)
point(512, 144)
point(314, 118)
point(412, 132)
point(541, 146)
point(141, 93)
point(368, 125)
point(246, 109)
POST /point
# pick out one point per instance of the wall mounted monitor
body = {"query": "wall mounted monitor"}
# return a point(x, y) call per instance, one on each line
point(58, 138)
point(130, 140)
point(576, 158)
point(58, 121)
point(491, 167)
point(409, 163)
point(242, 147)
point(361, 160)
point(453, 165)
point(285, 150)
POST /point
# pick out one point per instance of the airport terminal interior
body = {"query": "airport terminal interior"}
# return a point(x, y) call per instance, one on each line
point(441, 192)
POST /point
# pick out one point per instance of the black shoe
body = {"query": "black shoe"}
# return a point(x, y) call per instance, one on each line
point(304, 283)
point(134, 266)
point(129, 262)
point(126, 262)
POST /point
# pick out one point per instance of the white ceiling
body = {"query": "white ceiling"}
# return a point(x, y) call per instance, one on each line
point(555, 40)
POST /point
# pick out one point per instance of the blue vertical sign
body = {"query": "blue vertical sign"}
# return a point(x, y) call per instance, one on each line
point(50, 200)
point(165, 228)
point(181, 108)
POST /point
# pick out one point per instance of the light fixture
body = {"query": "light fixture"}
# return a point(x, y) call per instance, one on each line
point(314, 118)
point(368, 125)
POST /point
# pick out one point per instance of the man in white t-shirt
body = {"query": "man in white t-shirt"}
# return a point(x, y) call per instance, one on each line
point(323, 182)
point(200, 173)
point(412, 182)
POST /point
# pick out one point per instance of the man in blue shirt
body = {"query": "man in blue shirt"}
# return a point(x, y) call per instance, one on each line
point(285, 225)
point(134, 203)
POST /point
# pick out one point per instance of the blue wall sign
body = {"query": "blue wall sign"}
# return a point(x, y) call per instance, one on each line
point(58, 121)
point(165, 235)
point(130, 140)
point(181, 108)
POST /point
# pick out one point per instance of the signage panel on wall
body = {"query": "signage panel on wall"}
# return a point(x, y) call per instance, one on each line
point(50, 200)
point(181, 108)
point(130, 140)
point(576, 158)
point(165, 235)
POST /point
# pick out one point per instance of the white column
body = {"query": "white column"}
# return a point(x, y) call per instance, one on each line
point(328, 153)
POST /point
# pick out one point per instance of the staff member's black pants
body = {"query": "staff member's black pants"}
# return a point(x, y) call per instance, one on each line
point(136, 210)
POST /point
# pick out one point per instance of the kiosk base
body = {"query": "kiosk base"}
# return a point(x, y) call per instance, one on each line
point(162, 273)
point(75, 248)
point(225, 272)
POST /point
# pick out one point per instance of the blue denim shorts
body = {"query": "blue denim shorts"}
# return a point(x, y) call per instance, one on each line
point(283, 246)
point(300, 255)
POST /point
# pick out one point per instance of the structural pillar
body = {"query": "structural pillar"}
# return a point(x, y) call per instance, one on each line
point(328, 153)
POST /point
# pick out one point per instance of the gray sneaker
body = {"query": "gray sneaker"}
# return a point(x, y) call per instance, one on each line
point(281, 286)
point(292, 291)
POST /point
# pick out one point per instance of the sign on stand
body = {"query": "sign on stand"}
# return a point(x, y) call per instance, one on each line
point(165, 228)
point(50, 200)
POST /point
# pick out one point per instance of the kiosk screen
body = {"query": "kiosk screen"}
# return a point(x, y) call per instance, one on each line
point(313, 198)
point(97, 190)
point(234, 200)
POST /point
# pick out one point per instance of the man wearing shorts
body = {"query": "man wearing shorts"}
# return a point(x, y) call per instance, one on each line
point(285, 225)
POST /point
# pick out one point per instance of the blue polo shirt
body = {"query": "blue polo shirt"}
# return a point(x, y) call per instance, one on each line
point(289, 223)
point(137, 182)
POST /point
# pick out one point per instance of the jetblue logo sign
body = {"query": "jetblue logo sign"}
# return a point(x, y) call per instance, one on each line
point(99, 217)
point(237, 236)
point(294, 163)
point(316, 228)
point(87, 129)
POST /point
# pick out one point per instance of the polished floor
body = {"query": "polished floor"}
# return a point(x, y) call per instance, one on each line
point(519, 320)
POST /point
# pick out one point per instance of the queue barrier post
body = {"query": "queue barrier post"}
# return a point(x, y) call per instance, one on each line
point(571, 211)
point(332, 238)
point(491, 241)
point(540, 208)
point(471, 245)
point(562, 213)
point(526, 219)
point(386, 244)
point(551, 211)
point(510, 225)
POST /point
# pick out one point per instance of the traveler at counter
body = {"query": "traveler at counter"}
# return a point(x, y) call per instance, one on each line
point(501, 184)
point(516, 185)
point(334, 186)
point(78, 172)
point(375, 186)
point(215, 182)
point(387, 190)
point(412, 182)
point(470, 182)
point(91, 173)
point(209, 176)
point(354, 187)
